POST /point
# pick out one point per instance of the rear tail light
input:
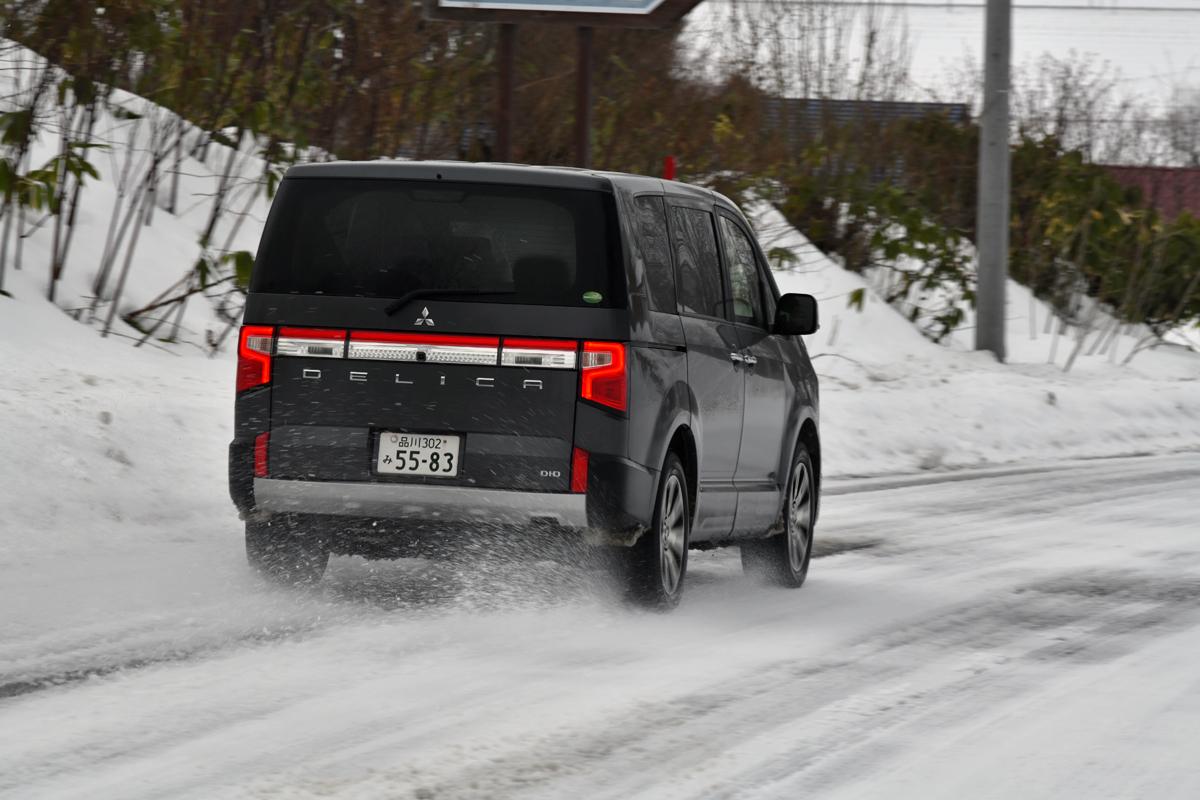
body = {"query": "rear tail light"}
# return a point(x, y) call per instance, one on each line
point(605, 378)
point(260, 454)
point(254, 356)
point(311, 342)
point(579, 470)
point(541, 353)
point(604, 366)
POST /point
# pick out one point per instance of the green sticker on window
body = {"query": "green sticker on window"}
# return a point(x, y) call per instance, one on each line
point(592, 297)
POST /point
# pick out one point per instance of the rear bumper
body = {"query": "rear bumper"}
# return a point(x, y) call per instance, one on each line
point(452, 504)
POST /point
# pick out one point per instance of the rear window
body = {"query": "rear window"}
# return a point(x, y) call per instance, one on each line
point(384, 238)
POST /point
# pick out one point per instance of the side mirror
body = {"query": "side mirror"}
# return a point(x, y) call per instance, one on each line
point(796, 315)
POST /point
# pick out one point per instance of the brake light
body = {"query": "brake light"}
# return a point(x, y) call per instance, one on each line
point(605, 379)
point(579, 470)
point(260, 454)
point(254, 356)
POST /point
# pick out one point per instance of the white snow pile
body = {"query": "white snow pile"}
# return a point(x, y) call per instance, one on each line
point(894, 401)
point(214, 187)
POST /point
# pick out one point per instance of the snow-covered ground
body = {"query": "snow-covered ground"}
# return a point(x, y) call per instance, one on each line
point(1021, 636)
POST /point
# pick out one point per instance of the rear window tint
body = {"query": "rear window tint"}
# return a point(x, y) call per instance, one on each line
point(383, 238)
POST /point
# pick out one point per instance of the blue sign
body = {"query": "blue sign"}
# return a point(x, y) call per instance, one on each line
point(577, 6)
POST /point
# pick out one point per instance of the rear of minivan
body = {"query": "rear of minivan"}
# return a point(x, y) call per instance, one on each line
point(435, 346)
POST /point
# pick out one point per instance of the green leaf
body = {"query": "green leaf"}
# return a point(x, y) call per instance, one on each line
point(16, 126)
point(856, 298)
point(243, 263)
point(221, 138)
point(84, 90)
point(781, 257)
point(202, 270)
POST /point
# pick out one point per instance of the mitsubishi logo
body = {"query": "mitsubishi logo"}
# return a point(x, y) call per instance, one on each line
point(424, 318)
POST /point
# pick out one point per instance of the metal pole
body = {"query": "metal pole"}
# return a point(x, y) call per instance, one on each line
point(992, 220)
point(583, 99)
point(505, 56)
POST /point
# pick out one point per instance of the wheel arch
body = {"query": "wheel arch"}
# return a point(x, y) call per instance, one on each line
point(810, 438)
point(683, 444)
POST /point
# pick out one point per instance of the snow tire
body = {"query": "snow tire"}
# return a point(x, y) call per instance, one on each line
point(782, 559)
point(656, 564)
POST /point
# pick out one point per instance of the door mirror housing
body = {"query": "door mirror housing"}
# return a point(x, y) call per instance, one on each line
point(796, 315)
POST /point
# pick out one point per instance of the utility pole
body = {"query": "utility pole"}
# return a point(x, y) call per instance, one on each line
point(992, 210)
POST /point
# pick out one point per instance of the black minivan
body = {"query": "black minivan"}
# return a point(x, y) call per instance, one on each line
point(431, 349)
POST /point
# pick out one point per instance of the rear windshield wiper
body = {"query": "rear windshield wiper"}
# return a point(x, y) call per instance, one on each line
point(408, 297)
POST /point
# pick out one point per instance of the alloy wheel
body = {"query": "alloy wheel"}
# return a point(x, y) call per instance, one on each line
point(672, 534)
point(799, 523)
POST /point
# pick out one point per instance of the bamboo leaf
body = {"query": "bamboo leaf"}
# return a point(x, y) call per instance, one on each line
point(243, 263)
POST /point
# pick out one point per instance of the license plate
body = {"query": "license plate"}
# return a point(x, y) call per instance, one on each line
point(431, 454)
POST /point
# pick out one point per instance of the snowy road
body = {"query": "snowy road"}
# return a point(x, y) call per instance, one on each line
point(1020, 635)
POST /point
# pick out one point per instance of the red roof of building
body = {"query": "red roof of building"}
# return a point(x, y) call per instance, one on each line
point(1170, 190)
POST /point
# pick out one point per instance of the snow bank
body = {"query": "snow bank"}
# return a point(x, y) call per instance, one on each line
point(105, 444)
point(169, 246)
point(893, 401)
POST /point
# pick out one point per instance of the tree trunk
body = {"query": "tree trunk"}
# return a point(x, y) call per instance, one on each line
point(85, 134)
point(112, 309)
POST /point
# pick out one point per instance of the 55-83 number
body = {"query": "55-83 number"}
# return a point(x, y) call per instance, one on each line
point(414, 460)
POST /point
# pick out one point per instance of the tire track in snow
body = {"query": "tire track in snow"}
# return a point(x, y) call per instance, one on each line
point(13, 688)
point(937, 666)
point(853, 702)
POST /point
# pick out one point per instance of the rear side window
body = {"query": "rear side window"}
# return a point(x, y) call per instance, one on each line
point(653, 248)
point(383, 238)
point(743, 275)
point(700, 290)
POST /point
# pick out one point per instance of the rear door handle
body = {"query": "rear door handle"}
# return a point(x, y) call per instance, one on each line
point(737, 358)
